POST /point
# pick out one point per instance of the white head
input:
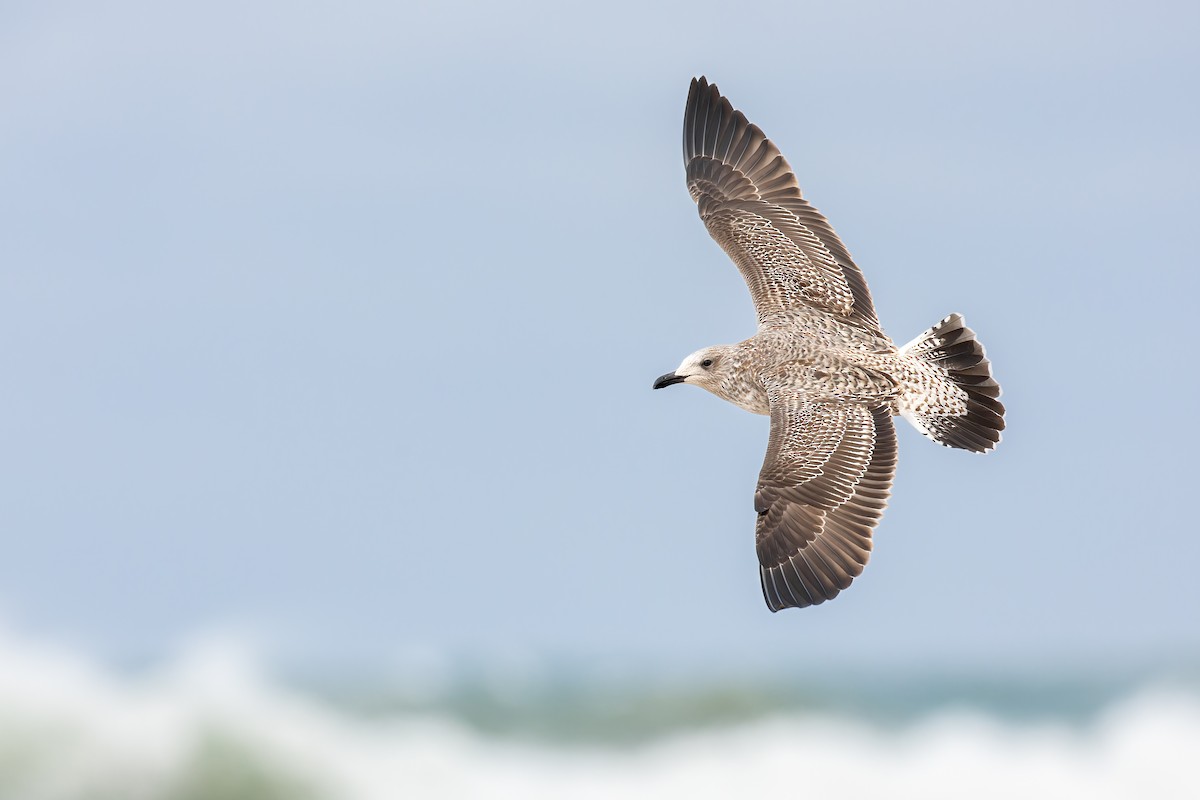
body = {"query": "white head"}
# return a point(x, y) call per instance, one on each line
point(705, 368)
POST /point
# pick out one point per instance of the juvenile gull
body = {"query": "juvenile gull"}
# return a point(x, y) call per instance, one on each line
point(820, 365)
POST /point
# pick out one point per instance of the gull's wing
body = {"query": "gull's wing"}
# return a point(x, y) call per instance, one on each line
point(822, 489)
point(751, 204)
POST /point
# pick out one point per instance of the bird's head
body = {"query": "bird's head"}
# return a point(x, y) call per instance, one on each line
point(705, 368)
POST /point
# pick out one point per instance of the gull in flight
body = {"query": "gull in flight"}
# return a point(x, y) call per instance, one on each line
point(820, 364)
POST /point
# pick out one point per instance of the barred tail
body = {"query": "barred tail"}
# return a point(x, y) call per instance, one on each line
point(952, 347)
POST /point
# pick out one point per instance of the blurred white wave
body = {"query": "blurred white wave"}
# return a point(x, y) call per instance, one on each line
point(211, 726)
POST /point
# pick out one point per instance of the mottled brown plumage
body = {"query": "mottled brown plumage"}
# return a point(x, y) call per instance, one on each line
point(820, 364)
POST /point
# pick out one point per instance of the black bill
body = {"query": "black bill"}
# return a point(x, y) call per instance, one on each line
point(669, 379)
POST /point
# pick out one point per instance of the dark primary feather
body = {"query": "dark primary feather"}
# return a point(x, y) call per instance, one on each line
point(752, 206)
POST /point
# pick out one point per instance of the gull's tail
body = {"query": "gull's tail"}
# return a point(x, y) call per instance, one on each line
point(952, 348)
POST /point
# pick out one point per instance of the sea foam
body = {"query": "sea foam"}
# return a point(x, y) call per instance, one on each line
point(210, 725)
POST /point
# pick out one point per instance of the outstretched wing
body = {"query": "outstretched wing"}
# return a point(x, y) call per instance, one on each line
point(822, 489)
point(751, 204)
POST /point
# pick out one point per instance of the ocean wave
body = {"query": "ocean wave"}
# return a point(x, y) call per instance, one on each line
point(211, 726)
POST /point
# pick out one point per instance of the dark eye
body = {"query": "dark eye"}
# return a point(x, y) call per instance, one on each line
point(706, 363)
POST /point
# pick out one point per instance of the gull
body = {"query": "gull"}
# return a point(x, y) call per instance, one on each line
point(820, 364)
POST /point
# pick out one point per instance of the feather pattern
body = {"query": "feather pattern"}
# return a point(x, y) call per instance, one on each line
point(823, 487)
point(752, 206)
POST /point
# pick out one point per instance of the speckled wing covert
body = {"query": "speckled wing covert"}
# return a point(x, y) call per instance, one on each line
point(751, 204)
point(823, 487)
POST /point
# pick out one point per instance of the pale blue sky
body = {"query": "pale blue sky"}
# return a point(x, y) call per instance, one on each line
point(337, 323)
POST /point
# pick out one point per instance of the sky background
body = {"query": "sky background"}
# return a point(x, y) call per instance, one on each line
point(334, 325)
